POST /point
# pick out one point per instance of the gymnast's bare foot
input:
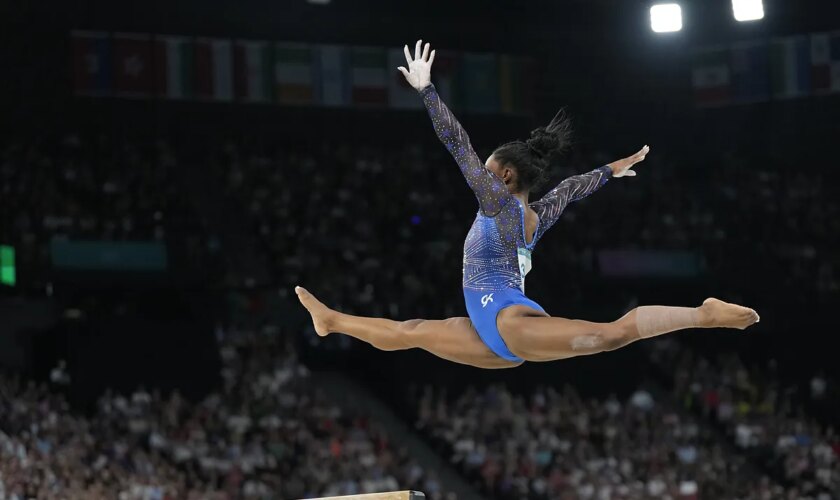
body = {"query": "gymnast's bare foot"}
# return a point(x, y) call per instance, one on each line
point(323, 318)
point(719, 314)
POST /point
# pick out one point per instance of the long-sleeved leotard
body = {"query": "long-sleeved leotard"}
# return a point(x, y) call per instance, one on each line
point(496, 254)
point(574, 188)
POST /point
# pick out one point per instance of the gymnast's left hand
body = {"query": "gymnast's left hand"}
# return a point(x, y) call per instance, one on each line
point(419, 72)
point(624, 166)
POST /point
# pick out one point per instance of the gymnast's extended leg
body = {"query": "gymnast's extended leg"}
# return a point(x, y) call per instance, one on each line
point(534, 336)
point(453, 339)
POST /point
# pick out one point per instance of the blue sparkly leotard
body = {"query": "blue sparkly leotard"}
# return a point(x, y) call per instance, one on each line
point(497, 255)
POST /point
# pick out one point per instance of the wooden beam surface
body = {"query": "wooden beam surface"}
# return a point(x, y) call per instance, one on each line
point(389, 495)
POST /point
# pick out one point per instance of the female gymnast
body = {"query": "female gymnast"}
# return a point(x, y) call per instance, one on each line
point(505, 328)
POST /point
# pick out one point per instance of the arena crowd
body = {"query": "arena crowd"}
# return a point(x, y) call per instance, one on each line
point(267, 433)
point(379, 231)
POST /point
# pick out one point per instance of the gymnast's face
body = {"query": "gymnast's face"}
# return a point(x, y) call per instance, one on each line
point(503, 172)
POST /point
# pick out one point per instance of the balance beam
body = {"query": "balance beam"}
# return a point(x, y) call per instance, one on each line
point(390, 495)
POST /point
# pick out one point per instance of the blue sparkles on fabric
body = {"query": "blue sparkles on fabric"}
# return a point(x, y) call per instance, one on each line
point(496, 253)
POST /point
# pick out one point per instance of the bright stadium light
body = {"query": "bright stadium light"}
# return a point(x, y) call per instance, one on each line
point(666, 17)
point(748, 10)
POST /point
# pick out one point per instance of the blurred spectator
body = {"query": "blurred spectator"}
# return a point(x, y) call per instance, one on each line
point(324, 209)
point(818, 384)
point(97, 187)
point(762, 417)
point(59, 376)
point(267, 433)
point(554, 444)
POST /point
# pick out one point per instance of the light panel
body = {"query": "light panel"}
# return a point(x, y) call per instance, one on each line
point(748, 10)
point(666, 18)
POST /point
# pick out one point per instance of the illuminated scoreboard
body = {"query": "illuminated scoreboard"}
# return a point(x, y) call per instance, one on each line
point(7, 265)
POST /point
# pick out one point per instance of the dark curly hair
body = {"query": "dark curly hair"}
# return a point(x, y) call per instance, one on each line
point(531, 158)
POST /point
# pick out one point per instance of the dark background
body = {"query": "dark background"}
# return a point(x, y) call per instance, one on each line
point(624, 86)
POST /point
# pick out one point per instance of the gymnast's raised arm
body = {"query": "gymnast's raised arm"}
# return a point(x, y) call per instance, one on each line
point(574, 188)
point(489, 189)
point(577, 187)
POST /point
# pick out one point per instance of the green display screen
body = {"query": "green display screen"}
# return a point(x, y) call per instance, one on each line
point(8, 276)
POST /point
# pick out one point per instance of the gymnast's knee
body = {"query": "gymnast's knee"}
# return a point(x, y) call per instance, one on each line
point(601, 338)
point(518, 343)
point(618, 334)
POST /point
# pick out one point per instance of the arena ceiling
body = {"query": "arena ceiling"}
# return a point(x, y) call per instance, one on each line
point(475, 24)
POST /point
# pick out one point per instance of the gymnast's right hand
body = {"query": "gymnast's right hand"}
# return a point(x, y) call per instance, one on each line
point(419, 72)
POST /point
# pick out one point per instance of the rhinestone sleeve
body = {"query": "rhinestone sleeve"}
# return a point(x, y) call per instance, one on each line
point(574, 188)
point(491, 191)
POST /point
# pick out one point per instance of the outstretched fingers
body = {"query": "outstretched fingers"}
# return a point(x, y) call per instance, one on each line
point(421, 53)
point(418, 68)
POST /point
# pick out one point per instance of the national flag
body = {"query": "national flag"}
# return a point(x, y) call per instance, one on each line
point(446, 73)
point(750, 65)
point(790, 66)
point(515, 84)
point(293, 73)
point(174, 67)
point(91, 62)
point(835, 62)
point(253, 68)
point(401, 95)
point(333, 88)
point(369, 83)
point(710, 77)
point(213, 69)
point(132, 64)
point(480, 82)
point(825, 62)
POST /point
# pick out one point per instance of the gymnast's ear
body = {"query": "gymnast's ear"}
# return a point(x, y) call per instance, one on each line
point(508, 175)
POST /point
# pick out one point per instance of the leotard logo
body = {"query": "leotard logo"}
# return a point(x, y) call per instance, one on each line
point(486, 299)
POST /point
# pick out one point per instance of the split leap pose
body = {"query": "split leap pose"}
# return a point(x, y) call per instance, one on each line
point(505, 327)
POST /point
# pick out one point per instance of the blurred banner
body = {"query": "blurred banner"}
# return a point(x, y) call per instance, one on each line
point(132, 65)
point(790, 64)
point(825, 62)
point(91, 63)
point(173, 67)
point(108, 255)
point(334, 88)
point(293, 71)
point(649, 263)
point(251, 71)
point(400, 94)
point(369, 67)
point(776, 69)
point(515, 84)
point(213, 60)
point(480, 78)
point(750, 66)
point(445, 76)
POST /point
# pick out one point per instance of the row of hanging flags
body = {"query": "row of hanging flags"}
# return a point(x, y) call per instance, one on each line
point(780, 68)
point(221, 70)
